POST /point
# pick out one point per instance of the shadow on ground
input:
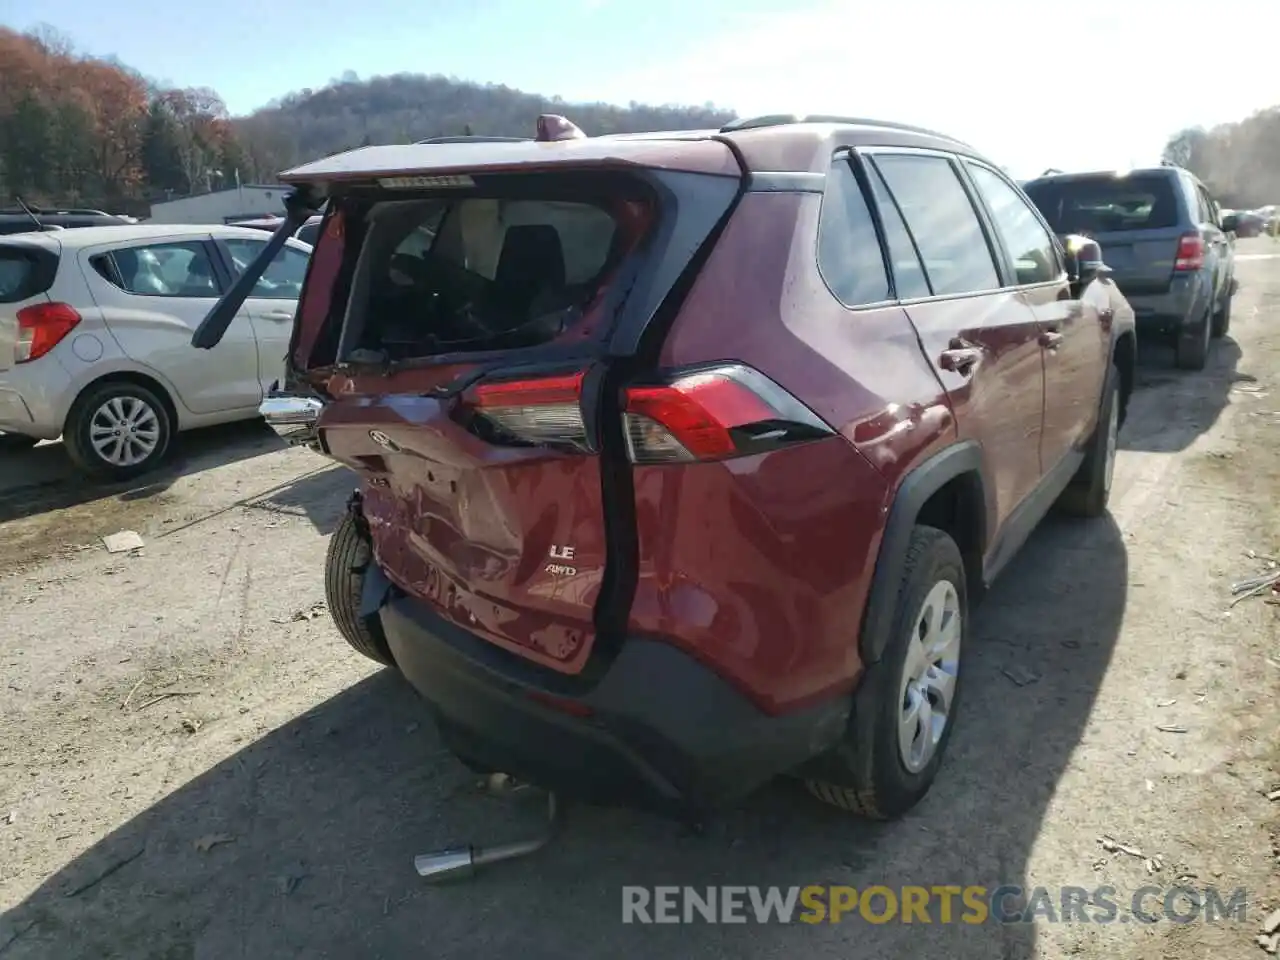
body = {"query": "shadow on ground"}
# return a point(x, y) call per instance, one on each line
point(320, 496)
point(1189, 402)
point(42, 479)
point(328, 811)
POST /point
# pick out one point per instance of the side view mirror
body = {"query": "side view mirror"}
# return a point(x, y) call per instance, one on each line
point(1229, 223)
point(1084, 262)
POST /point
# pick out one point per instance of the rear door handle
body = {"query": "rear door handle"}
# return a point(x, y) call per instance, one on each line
point(960, 359)
point(1050, 339)
point(277, 315)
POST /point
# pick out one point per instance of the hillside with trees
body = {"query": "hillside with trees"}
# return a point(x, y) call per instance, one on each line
point(1238, 162)
point(83, 131)
point(406, 107)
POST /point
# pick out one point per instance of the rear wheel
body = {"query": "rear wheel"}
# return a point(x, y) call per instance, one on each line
point(345, 565)
point(1091, 488)
point(117, 430)
point(1222, 319)
point(904, 709)
point(1193, 345)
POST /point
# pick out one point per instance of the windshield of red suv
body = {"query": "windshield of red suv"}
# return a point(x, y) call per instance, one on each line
point(1106, 203)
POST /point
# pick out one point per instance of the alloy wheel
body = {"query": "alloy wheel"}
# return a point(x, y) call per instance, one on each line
point(929, 676)
point(124, 431)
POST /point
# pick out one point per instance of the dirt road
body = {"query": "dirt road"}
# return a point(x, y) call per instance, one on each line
point(193, 766)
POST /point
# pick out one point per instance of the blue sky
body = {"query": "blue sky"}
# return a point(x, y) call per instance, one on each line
point(997, 73)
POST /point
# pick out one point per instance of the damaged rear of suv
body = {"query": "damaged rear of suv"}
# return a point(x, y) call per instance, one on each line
point(662, 493)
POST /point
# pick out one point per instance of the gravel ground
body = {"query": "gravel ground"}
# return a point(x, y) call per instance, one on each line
point(195, 766)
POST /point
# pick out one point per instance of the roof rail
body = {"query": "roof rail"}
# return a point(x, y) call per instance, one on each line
point(781, 119)
point(471, 139)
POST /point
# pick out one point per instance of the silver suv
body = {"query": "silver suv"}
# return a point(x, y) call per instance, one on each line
point(95, 337)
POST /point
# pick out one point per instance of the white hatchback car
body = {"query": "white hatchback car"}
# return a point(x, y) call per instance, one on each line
point(95, 337)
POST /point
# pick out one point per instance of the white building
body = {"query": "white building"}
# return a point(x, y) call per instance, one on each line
point(238, 203)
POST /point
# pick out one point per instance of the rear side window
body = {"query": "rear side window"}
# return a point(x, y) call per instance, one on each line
point(308, 233)
point(1210, 209)
point(849, 256)
point(1107, 203)
point(942, 221)
point(476, 273)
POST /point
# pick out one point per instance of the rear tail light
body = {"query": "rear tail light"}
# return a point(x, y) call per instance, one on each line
point(546, 411)
point(1190, 255)
point(41, 327)
point(713, 414)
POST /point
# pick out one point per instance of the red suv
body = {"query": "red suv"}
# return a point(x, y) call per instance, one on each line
point(683, 456)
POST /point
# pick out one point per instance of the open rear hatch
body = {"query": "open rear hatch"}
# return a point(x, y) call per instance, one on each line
point(469, 328)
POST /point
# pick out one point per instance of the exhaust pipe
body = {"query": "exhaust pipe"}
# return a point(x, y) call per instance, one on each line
point(293, 418)
point(459, 863)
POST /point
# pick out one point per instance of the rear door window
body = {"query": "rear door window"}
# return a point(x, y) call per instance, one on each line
point(182, 269)
point(849, 255)
point(909, 280)
point(1107, 203)
point(1030, 245)
point(942, 221)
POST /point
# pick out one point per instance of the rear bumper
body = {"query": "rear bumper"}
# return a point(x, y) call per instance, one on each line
point(15, 415)
point(1184, 303)
point(656, 729)
point(32, 398)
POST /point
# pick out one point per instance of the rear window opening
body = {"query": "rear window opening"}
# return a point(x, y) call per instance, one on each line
point(1095, 205)
point(492, 269)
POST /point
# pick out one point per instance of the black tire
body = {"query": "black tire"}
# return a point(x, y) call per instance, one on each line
point(866, 774)
point(348, 558)
point(1192, 347)
point(1222, 319)
point(85, 417)
point(1090, 489)
point(12, 442)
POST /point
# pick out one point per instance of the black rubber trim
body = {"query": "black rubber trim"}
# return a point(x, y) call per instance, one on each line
point(912, 494)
